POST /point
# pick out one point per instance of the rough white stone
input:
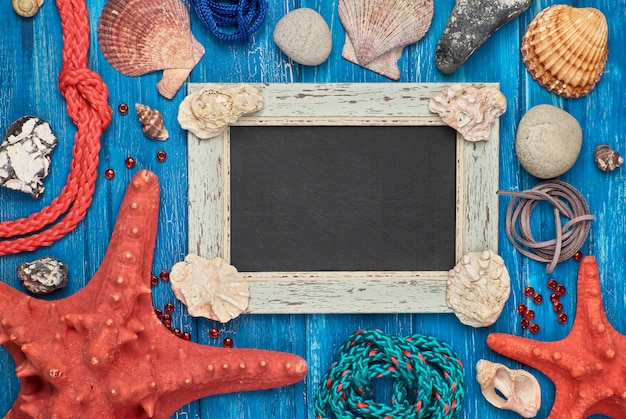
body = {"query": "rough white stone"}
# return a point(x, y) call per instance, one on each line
point(304, 36)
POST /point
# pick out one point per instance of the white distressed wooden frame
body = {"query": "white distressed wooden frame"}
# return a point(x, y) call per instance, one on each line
point(344, 292)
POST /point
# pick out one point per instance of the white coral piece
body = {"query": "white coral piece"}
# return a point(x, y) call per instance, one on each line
point(478, 287)
point(207, 112)
point(471, 110)
point(209, 288)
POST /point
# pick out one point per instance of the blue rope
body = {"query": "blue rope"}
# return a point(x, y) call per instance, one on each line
point(241, 17)
point(428, 378)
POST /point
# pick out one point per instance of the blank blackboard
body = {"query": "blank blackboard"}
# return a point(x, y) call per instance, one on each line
point(343, 198)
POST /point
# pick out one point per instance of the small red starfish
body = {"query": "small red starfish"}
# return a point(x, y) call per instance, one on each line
point(588, 367)
point(103, 353)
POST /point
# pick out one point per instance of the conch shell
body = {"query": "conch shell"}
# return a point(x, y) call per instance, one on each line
point(142, 36)
point(207, 112)
point(478, 287)
point(152, 121)
point(606, 158)
point(471, 110)
point(521, 390)
point(26, 8)
point(378, 30)
point(566, 48)
point(209, 288)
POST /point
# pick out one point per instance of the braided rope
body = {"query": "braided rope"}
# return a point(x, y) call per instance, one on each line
point(570, 237)
point(428, 378)
point(243, 16)
point(86, 96)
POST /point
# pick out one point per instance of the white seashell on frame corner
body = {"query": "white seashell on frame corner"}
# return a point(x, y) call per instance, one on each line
point(209, 111)
point(209, 288)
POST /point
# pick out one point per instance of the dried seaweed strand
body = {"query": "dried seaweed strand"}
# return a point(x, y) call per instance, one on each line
point(569, 238)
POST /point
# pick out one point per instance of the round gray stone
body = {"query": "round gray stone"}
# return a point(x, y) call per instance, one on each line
point(304, 36)
point(548, 141)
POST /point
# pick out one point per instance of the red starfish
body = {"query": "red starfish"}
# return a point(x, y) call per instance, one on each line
point(103, 353)
point(588, 367)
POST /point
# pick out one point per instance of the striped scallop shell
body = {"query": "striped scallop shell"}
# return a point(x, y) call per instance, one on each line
point(565, 49)
point(376, 27)
point(142, 36)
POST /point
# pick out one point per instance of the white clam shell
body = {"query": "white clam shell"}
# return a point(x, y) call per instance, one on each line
point(209, 288)
point(471, 110)
point(478, 287)
point(207, 112)
point(516, 390)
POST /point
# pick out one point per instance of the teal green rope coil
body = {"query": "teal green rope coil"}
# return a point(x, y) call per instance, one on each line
point(428, 378)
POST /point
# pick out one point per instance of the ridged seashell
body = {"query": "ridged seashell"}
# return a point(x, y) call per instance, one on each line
point(516, 390)
point(565, 49)
point(209, 288)
point(25, 155)
point(152, 121)
point(378, 30)
point(44, 275)
point(478, 287)
point(606, 158)
point(26, 8)
point(142, 36)
point(471, 110)
point(207, 112)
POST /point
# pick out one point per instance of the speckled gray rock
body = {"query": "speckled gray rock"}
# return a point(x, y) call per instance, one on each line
point(304, 36)
point(42, 276)
point(469, 26)
point(548, 141)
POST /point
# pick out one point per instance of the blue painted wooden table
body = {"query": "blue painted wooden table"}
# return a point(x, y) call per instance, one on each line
point(30, 57)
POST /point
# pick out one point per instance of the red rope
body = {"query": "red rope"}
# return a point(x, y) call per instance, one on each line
point(87, 105)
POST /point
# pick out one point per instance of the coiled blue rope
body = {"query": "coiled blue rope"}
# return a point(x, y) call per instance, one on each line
point(428, 378)
point(231, 20)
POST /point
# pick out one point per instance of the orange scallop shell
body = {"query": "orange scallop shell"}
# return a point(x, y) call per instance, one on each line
point(142, 36)
point(566, 48)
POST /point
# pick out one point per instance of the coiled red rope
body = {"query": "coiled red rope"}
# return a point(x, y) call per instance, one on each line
point(86, 96)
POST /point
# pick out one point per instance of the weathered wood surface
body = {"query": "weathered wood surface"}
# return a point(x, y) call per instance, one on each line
point(29, 64)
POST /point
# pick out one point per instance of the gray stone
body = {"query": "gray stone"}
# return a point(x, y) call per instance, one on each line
point(304, 36)
point(42, 276)
point(548, 141)
point(470, 24)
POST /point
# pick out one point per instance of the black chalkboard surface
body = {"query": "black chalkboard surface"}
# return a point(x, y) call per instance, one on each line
point(343, 198)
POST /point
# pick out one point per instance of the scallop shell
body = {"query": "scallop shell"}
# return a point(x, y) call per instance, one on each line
point(142, 36)
point(378, 30)
point(152, 121)
point(209, 288)
point(26, 8)
point(566, 48)
point(606, 158)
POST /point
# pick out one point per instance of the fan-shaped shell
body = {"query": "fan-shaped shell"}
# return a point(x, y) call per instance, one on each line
point(565, 49)
point(376, 27)
point(142, 36)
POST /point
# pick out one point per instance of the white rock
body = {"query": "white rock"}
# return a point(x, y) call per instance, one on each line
point(304, 36)
point(548, 141)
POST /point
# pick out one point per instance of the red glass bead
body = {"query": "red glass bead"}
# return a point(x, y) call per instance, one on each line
point(228, 343)
point(169, 307)
point(562, 318)
point(521, 308)
point(529, 291)
point(164, 275)
point(122, 108)
point(525, 323)
point(538, 298)
point(130, 162)
point(560, 289)
point(554, 297)
point(186, 336)
point(534, 328)
point(167, 317)
point(154, 280)
point(109, 174)
point(161, 156)
point(557, 307)
point(177, 332)
point(578, 256)
point(214, 333)
point(552, 284)
point(159, 313)
point(167, 322)
point(529, 314)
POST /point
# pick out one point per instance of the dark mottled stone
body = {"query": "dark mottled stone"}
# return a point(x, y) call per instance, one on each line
point(43, 276)
point(470, 24)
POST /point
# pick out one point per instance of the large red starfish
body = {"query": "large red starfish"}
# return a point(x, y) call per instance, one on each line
point(588, 367)
point(103, 353)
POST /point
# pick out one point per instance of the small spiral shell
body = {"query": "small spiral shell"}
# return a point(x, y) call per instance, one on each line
point(26, 8)
point(152, 121)
point(606, 158)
